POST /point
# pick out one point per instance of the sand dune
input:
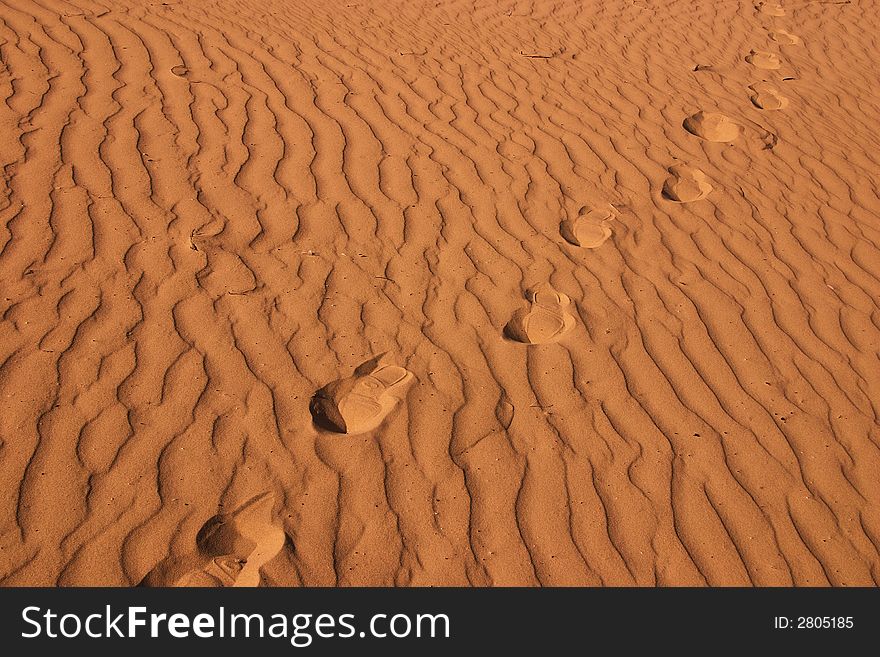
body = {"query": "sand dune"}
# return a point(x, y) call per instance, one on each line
point(212, 211)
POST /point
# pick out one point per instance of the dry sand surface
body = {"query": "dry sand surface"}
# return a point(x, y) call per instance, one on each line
point(439, 292)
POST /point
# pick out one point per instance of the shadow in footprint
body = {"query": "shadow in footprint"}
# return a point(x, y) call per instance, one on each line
point(770, 8)
point(764, 60)
point(712, 126)
point(229, 550)
point(784, 38)
point(360, 403)
point(182, 72)
point(686, 184)
point(590, 229)
point(545, 320)
point(766, 97)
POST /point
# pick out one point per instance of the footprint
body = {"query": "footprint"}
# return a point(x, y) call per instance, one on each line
point(765, 60)
point(546, 320)
point(766, 97)
point(361, 402)
point(686, 184)
point(590, 229)
point(785, 38)
point(230, 549)
point(712, 126)
point(771, 8)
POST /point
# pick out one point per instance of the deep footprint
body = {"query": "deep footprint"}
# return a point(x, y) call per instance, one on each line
point(546, 320)
point(766, 97)
point(590, 229)
point(767, 61)
point(686, 184)
point(712, 126)
point(361, 402)
point(230, 549)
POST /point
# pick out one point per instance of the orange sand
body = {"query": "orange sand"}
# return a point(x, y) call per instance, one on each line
point(213, 210)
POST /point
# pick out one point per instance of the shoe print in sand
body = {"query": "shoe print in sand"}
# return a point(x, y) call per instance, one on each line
point(546, 319)
point(230, 549)
point(361, 402)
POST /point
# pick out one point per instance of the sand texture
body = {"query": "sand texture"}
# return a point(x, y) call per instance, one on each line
point(411, 292)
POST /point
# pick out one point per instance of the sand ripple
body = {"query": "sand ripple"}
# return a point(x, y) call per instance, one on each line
point(212, 210)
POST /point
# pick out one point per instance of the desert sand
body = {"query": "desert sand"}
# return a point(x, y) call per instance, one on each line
point(439, 293)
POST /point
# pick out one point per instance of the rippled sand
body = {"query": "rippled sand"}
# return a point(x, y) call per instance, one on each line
point(643, 347)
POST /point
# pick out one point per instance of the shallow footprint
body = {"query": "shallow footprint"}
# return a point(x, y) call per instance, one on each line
point(766, 97)
point(771, 8)
point(546, 320)
point(766, 60)
point(361, 402)
point(590, 229)
point(785, 38)
point(711, 126)
point(686, 184)
point(230, 549)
